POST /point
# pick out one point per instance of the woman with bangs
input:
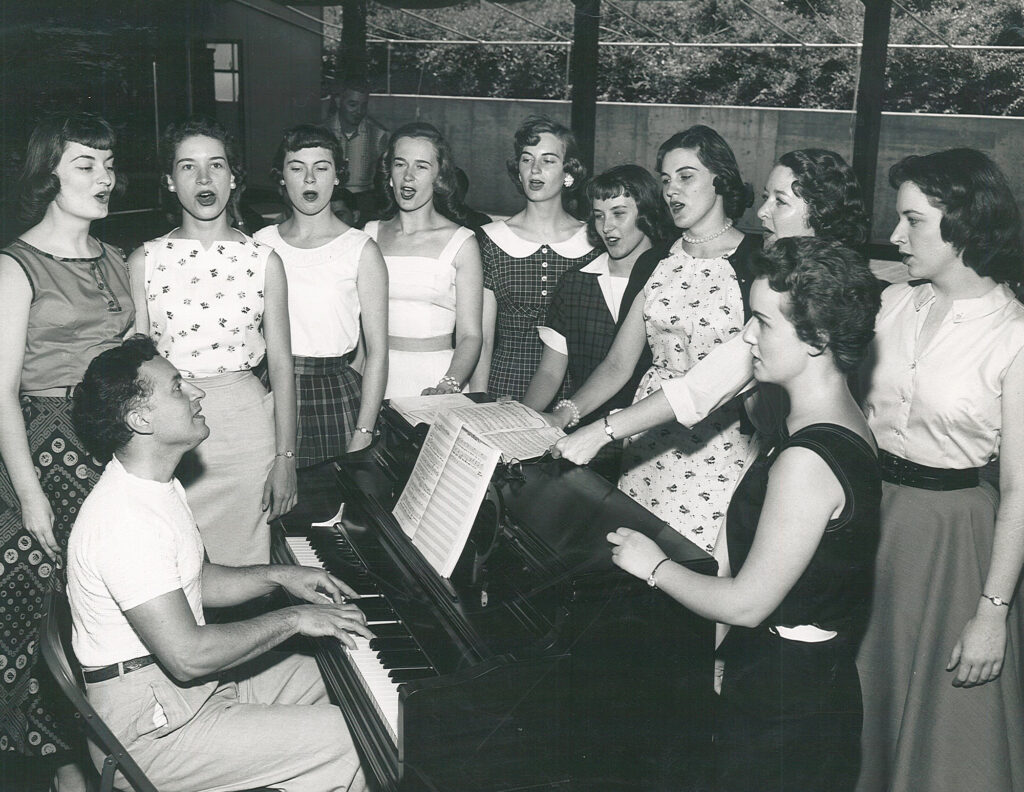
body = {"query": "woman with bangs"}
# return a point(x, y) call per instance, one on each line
point(433, 261)
point(526, 256)
point(64, 298)
point(941, 659)
point(215, 302)
point(695, 299)
point(337, 293)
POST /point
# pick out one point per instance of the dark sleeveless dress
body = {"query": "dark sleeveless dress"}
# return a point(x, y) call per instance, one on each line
point(791, 711)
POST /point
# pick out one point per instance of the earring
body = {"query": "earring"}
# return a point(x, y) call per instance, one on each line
point(231, 186)
point(568, 181)
point(170, 188)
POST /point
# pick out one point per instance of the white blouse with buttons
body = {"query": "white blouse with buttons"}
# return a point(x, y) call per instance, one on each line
point(206, 305)
point(941, 407)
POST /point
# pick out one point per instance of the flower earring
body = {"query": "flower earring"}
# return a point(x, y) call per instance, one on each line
point(568, 181)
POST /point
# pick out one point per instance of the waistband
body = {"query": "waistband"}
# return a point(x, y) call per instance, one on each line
point(897, 470)
point(441, 343)
point(59, 392)
point(209, 381)
point(322, 365)
point(104, 673)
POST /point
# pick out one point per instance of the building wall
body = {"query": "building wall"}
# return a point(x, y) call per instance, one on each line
point(481, 130)
point(281, 65)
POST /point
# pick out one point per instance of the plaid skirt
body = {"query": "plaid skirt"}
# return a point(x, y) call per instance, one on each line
point(327, 392)
point(35, 718)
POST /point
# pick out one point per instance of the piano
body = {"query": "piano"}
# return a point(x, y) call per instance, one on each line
point(538, 665)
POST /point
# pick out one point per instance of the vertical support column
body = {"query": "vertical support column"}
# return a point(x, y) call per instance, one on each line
point(870, 89)
point(584, 76)
point(352, 58)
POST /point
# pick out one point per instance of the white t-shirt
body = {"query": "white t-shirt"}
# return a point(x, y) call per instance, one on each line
point(323, 302)
point(134, 540)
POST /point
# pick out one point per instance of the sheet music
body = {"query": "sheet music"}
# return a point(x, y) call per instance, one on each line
point(516, 430)
point(448, 483)
point(425, 409)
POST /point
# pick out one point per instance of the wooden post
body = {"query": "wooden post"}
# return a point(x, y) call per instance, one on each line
point(870, 89)
point(352, 58)
point(584, 76)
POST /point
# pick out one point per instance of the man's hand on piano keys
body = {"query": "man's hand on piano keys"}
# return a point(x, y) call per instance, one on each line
point(331, 621)
point(312, 585)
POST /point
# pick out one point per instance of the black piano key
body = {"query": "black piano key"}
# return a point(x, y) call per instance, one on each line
point(392, 642)
point(396, 628)
point(376, 609)
point(403, 658)
point(400, 675)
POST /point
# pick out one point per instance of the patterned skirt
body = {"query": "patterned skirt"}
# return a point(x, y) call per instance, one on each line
point(35, 719)
point(327, 393)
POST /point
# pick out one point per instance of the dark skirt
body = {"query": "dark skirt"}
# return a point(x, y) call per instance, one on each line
point(327, 393)
point(35, 718)
point(790, 715)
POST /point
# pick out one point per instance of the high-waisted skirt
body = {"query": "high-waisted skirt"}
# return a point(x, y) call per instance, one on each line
point(327, 393)
point(920, 732)
point(35, 718)
point(225, 475)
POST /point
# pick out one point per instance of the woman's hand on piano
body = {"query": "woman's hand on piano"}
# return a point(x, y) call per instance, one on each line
point(582, 445)
point(359, 441)
point(312, 585)
point(634, 552)
point(331, 621)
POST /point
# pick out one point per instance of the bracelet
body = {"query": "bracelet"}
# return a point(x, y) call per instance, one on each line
point(451, 382)
point(651, 580)
point(364, 430)
point(575, 419)
point(286, 454)
point(608, 429)
point(999, 602)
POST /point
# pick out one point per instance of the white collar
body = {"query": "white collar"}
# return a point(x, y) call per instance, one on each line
point(599, 266)
point(504, 237)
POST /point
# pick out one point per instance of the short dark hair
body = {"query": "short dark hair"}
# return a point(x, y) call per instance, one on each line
point(529, 133)
point(833, 297)
point(110, 389)
point(829, 187)
point(306, 136)
point(980, 217)
point(636, 183)
point(39, 183)
point(445, 185)
point(202, 126)
point(715, 155)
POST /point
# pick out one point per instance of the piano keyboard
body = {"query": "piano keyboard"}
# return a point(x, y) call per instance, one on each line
point(387, 660)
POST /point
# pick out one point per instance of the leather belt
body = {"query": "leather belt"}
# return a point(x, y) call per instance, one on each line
point(60, 392)
point(117, 669)
point(897, 470)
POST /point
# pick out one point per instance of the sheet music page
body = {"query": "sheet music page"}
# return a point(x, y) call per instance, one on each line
point(444, 493)
point(425, 474)
point(425, 409)
point(516, 430)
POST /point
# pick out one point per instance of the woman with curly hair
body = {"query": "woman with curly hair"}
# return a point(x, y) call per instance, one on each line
point(216, 303)
point(433, 261)
point(802, 534)
point(941, 660)
point(64, 298)
point(695, 299)
point(525, 257)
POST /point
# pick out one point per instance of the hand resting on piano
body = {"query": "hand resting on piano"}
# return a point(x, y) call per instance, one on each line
point(330, 613)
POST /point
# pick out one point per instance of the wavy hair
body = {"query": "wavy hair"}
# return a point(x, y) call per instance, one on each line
point(39, 184)
point(445, 183)
point(980, 216)
point(829, 187)
point(833, 296)
point(633, 182)
point(301, 137)
point(203, 126)
point(110, 389)
point(717, 156)
point(529, 133)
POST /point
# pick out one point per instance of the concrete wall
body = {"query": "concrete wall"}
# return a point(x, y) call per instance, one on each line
point(480, 131)
point(280, 73)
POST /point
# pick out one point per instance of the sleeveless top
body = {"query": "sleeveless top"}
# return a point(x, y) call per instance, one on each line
point(834, 592)
point(206, 306)
point(323, 301)
point(80, 307)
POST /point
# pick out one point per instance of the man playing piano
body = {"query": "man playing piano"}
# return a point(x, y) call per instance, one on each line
point(198, 706)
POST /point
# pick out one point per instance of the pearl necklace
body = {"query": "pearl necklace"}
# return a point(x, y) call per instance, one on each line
point(701, 240)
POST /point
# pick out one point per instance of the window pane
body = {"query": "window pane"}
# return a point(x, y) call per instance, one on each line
point(224, 87)
point(223, 56)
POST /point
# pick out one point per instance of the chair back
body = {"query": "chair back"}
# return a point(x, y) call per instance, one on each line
point(55, 642)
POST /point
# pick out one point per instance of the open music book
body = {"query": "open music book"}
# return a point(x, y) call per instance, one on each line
point(513, 428)
point(440, 501)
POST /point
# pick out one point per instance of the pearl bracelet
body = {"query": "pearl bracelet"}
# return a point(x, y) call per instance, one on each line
point(575, 419)
point(451, 382)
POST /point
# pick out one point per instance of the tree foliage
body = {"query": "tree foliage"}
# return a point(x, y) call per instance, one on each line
point(937, 79)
